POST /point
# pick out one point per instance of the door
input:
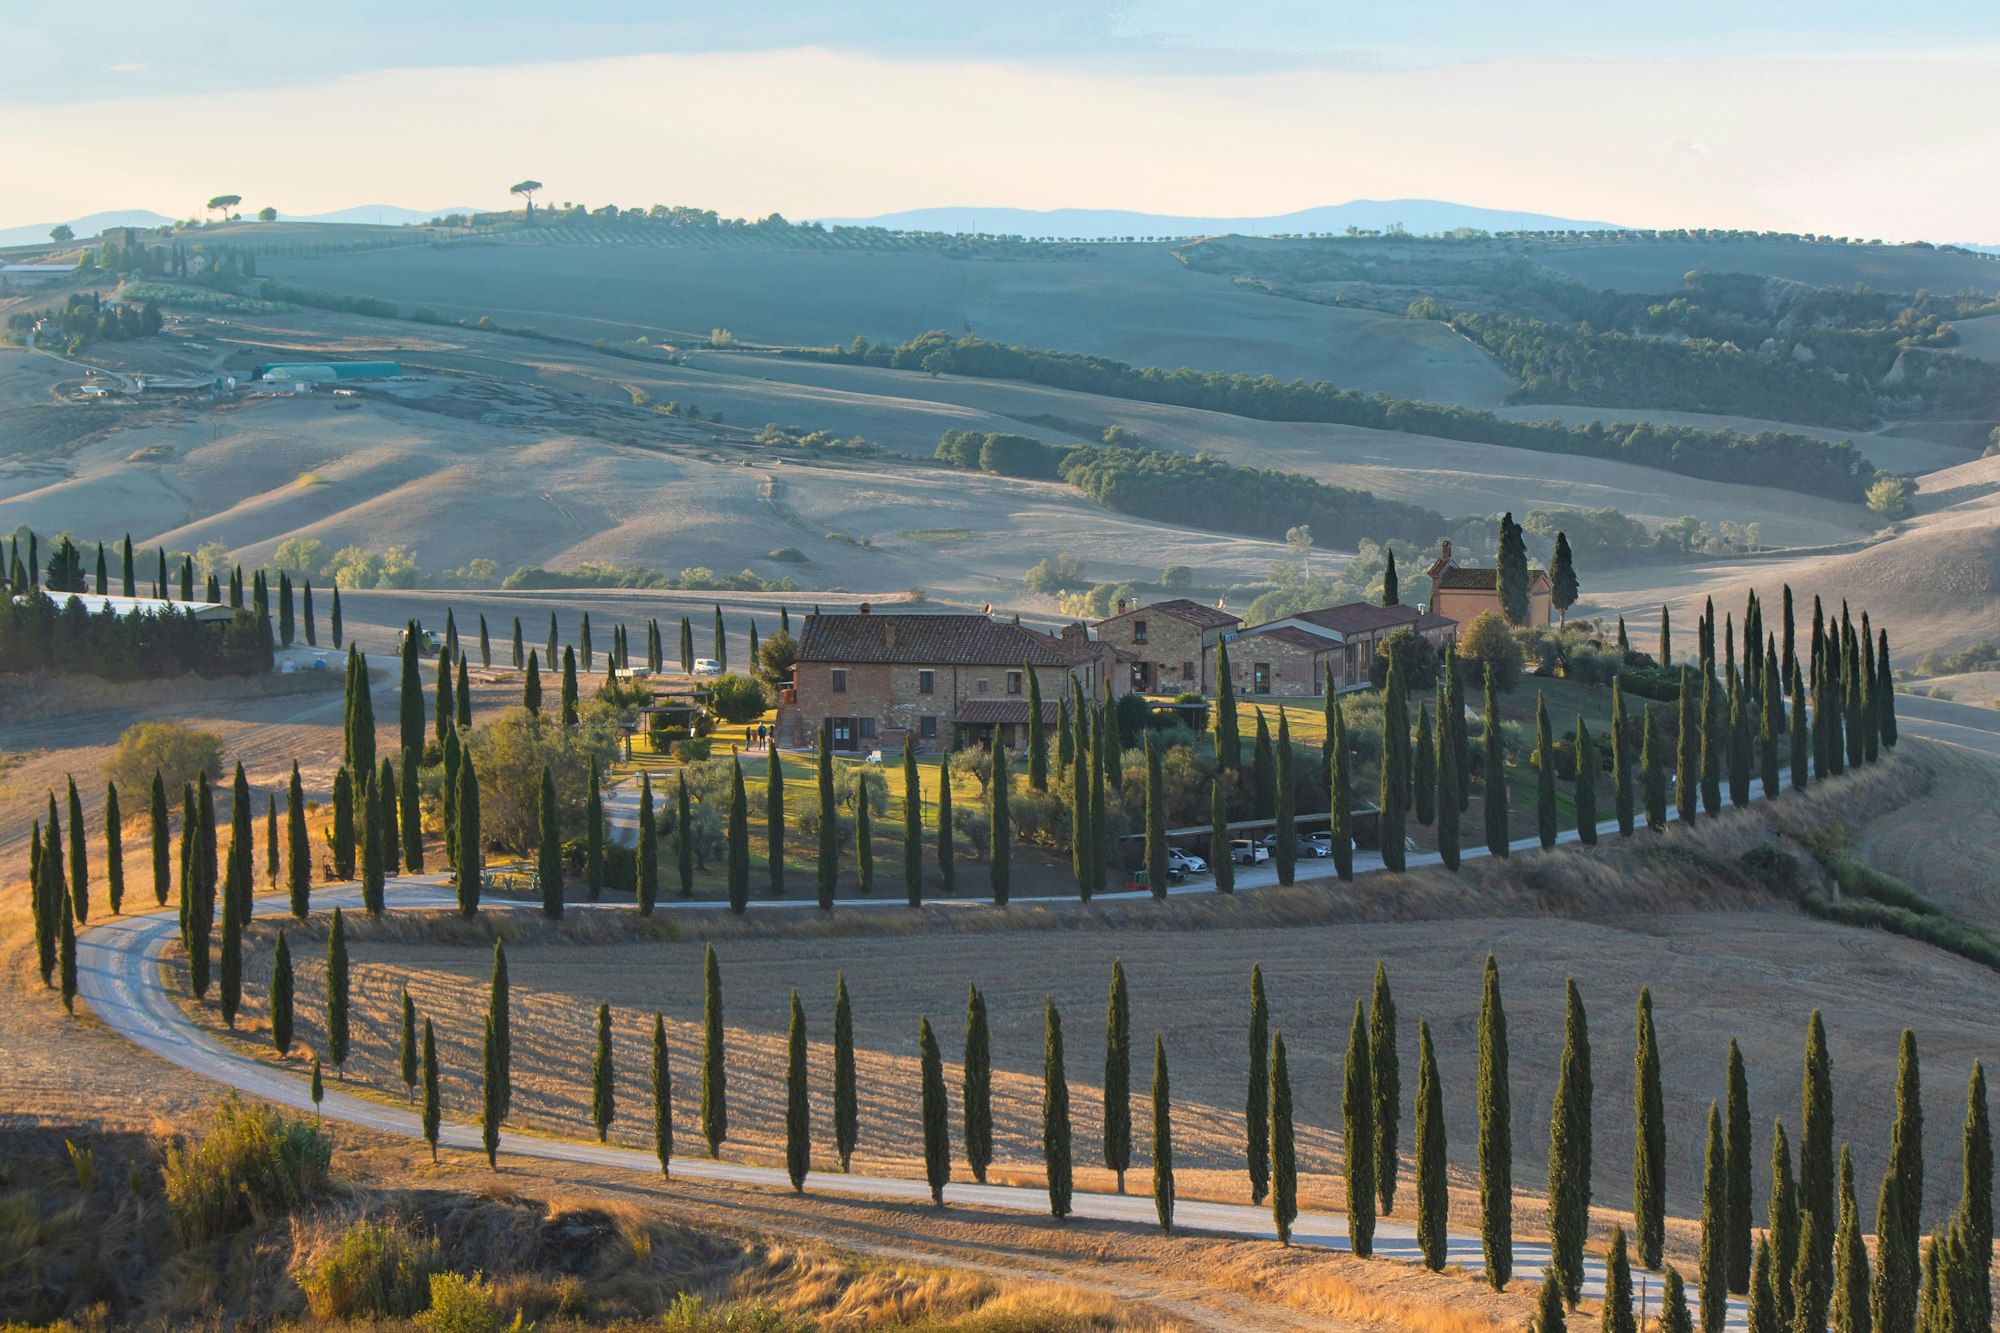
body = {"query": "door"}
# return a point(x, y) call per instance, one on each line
point(1260, 677)
point(843, 732)
point(1142, 677)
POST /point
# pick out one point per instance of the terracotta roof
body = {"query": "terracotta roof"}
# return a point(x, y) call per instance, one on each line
point(986, 712)
point(1480, 580)
point(1292, 634)
point(1181, 608)
point(1359, 617)
point(931, 640)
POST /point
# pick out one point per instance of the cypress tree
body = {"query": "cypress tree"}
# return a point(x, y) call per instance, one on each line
point(432, 1116)
point(1898, 1214)
point(1219, 863)
point(469, 863)
point(1763, 1317)
point(1454, 712)
point(485, 645)
point(454, 754)
point(737, 862)
point(1618, 1287)
point(828, 864)
point(1653, 776)
point(978, 1085)
point(1687, 752)
point(1156, 819)
point(162, 841)
point(569, 691)
point(1055, 1112)
point(242, 847)
point(79, 858)
point(1065, 736)
point(1549, 1316)
point(1545, 775)
point(1104, 764)
point(946, 872)
point(774, 820)
point(491, 1108)
point(1433, 1179)
point(1736, 1120)
point(1649, 1146)
point(663, 1098)
point(1495, 778)
point(1390, 593)
point(1257, 1094)
point(128, 580)
point(1357, 1118)
point(318, 1085)
point(114, 850)
point(520, 658)
point(1974, 1220)
point(531, 685)
point(1163, 1140)
point(343, 825)
point(1284, 1160)
point(846, 1105)
point(410, 694)
point(1570, 1150)
point(714, 1083)
point(1000, 863)
point(1512, 564)
point(548, 849)
point(1809, 1295)
point(721, 640)
point(1395, 772)
point(305, 611)
point(1885, 693)
point(913, 829)
point(1340, 787)
point(361, 757)
point(1740, 746)
point(66, 959)
point(1496, 1144)
point(1228, 748)
point(1621, 764)
point(554, 643)
point(1423, 780)
point(407, 1048)
point(683, 838)
point(1038, 742)
point(500, 1018)
point(463, 695)
point(1771, 728)
point(583, 642)
point(798, 1107)
point(336, 992)
point(1450, 780)
point(1385, 1068)
point(602, 1097)
point(647, 888)
point(1715, 1232)
point(1118, 1077)
point(1674, 1316)
point(232, 958)
point(272, 859)
point(1285, 845)
point(687, 646)
point(1851, 1313)
point(1264, 770)
point(1816, 1165)
point(937, 1128)
point(372, 874)
point(38, 906)
point(1586, 785)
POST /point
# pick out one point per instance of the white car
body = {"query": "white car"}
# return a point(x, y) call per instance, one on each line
point(1244, 852)
point(1185, 862)
point(707, 666)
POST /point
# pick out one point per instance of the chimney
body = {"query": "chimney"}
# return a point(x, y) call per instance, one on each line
point(1121, 606)
point(1445, 553)
point(863, 608)
point(889, 633)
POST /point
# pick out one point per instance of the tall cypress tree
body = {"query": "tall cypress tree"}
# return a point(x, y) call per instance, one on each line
point(114, 850)
point(1118, 1077)
point(1649, 1140)
point(1736, 1120)
point(1621, 763)
point(736, 866)
point(1340, 787)
point(462, 696)
point(1423, 776)
point(1549, 1316)
point(469, 863)
point(846, 1104)
point(1219, 863)
point(1156, 819)
point(1687, 752)
point(1433, 1178)
point(1163, 1139)
point(273, 860)
point(1228, 748)
point(648, 886)
point(1452, 712)
point(1899, 1212)
point(407, 1048)
point(827, 866)
point(1782, 1222)
point(1851, 1296)
point(1496, 1141)
point(1395, 770)
point(485, 644)
point(683, 837)
point(79, 857)
point(281, 993)
point(1653, 776)
point(1450, 781)
point(947, 875)
point(1357, 1119)
point(1284, 1158)
point(1385, 1068)
point(343, 825)
point(500, 1017)
point(1512, 564)
point(336, 991)
point(1975, 1205)
point(1712, 742)
point(232, 958)
point(1570, 1150)
point(162, 840)
point(1618, 1286)
point(603, 1100)
point(1586, 784)
point(549, 857)
point(1000, 861)
point(714, 1082)
point(977, 1101)
point(492, 1110)
point(1809, 1294)
point(1494, 780)
point(913, 829)
point(1257, 1094)
point(66, 960)
point(570, 697)
point(798, 1106)
point(937, 1129)
point(1885, 692)
point(1545, 775)
point(663, 1098)
point(1055, 1112)
point(1285, 843)
point(1104, 764)
point(410, 693)
point(1770, 727)
point(774, 820)
point(1816, 1163)
point(531, 685)
point(1038, 742)
point(1715, 1233)
point(721, 640)
point(1800, 743)
point(1264, 770)
point(1741, 746)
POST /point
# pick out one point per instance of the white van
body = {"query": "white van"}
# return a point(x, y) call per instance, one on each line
point(707, 666)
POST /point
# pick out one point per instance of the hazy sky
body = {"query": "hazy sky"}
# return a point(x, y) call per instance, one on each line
point(1858, 119)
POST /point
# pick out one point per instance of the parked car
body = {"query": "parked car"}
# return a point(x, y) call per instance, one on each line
point(1185, 862)
point(1322, 844)
point(707, 666)
point(1301, 845)
point(1247, 853)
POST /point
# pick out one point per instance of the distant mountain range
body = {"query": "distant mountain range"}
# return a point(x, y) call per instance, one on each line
point(1416, 215)
point(386, 215)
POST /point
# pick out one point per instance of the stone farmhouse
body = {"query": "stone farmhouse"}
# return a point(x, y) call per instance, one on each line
point(1291, 657)
point(1463, 591)
point(936, 680)
point(1163, 647)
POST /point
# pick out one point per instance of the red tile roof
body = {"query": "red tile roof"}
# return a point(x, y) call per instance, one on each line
point(1181, 608)
point(1292, 634)
point(931, 640)
point(986, 712)
point(1480, 580)
point(1359, 617)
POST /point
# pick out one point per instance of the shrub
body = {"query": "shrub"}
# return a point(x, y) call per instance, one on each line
point(178, 754)
point(1174, 578)
point(1417, 655)
point(253, 1163)
point(738, 698)
point(1488, 642)
point(790, 555)
point(689, 1314)
point(461, 1304)
point(377, 1268)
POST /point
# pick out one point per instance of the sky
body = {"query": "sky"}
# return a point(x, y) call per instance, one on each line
point(1839, 117)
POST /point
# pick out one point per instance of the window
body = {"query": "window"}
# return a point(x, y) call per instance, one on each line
point(982, 684)
point(1013, 682)
point(839, 681)
point(926, 681)
point(927, 728)
point(867, 727)
point(1187, 671)
point(1138, 631)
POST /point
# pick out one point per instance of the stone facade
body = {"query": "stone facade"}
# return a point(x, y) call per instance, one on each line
point(1465, 591)
point(1163, 647)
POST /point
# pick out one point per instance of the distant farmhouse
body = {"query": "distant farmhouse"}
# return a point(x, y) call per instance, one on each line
point(1164, 647)
point(1292, 657)
point(1462, 592)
